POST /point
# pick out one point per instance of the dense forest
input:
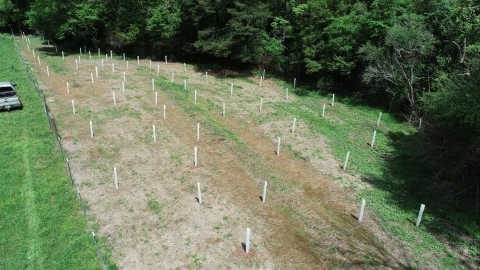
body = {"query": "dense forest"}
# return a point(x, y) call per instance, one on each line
point(417, 58)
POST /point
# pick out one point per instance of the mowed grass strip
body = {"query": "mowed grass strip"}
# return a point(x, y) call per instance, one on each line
point(42, 225)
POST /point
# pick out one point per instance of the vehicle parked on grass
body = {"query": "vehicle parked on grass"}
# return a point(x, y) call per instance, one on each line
point(9, 97)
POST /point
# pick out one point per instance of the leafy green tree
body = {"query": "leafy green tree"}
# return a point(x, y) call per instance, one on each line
point(452, 22)
point(164, 20)
point(274, 54)
point(455, 106)
point(77, 20)
point(6, 10)
point(398, 67)
point(248, 23)
point(231, 29)
point(209, 21)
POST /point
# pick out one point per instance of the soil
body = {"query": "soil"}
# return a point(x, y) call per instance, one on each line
point(154, 220)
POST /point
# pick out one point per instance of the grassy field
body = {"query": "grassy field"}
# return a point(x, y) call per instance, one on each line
point(160, 209)
point(396, 183)
point(390, 179)
point(42, 225)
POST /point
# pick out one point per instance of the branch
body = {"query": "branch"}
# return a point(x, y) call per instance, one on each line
point(461, 56)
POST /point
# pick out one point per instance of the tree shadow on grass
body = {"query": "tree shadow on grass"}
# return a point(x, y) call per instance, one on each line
point(405, 182)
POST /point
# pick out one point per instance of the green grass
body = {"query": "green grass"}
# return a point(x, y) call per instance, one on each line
point(42, 224)
point(154, 205)
point(398, 181)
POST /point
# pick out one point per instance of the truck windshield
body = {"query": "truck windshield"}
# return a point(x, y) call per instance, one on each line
point(6, 89)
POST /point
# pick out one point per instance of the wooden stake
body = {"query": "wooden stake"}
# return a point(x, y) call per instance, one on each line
point(68, 89)
point(91, 75)
point(346, 161)
point(195, 152)
point(154, 134)
point(91, 128)
point(333, 99)
point(166, 63)
point(173, 75)
point(360, 217)
point(185, 85)
point(195, 97)
point(113, 67)
point(379, 117)
point(247, 242)
point(111, 55)
point(420, 213)
point(96, 71)
point(373, 138)
point(278, 147)
point(195, 161)
point(138, 60)
point(198, 131)
point(261, 103)
point(48, 72)
point(73, 107)
point(116, 178)
point(294, 122)
point(231, 89)
point(158, 70)
point(323, 110)
point(124, 77)
point(294, 83)
point(156, 98)
point(123, 87)
point(114, 99)
point(264, 192)
point(153, 84)
point(76, 63)
point(63, 56)
point(164, 112)
point(199, 193)
point(102, 63)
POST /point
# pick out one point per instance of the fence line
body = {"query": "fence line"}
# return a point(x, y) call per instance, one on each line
point(53, 127)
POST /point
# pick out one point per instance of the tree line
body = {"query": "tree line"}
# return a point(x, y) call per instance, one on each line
point(416, 57)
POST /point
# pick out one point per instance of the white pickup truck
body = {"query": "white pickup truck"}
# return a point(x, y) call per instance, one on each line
point(9, 97)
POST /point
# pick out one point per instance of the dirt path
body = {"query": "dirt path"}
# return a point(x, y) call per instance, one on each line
point(153, 221)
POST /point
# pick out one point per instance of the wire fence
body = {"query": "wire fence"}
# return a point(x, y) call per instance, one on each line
point(53, 127)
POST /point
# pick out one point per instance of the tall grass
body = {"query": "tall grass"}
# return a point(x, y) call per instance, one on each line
point(42, 226)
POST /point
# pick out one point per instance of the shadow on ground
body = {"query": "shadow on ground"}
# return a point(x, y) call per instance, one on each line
point(406, 181)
